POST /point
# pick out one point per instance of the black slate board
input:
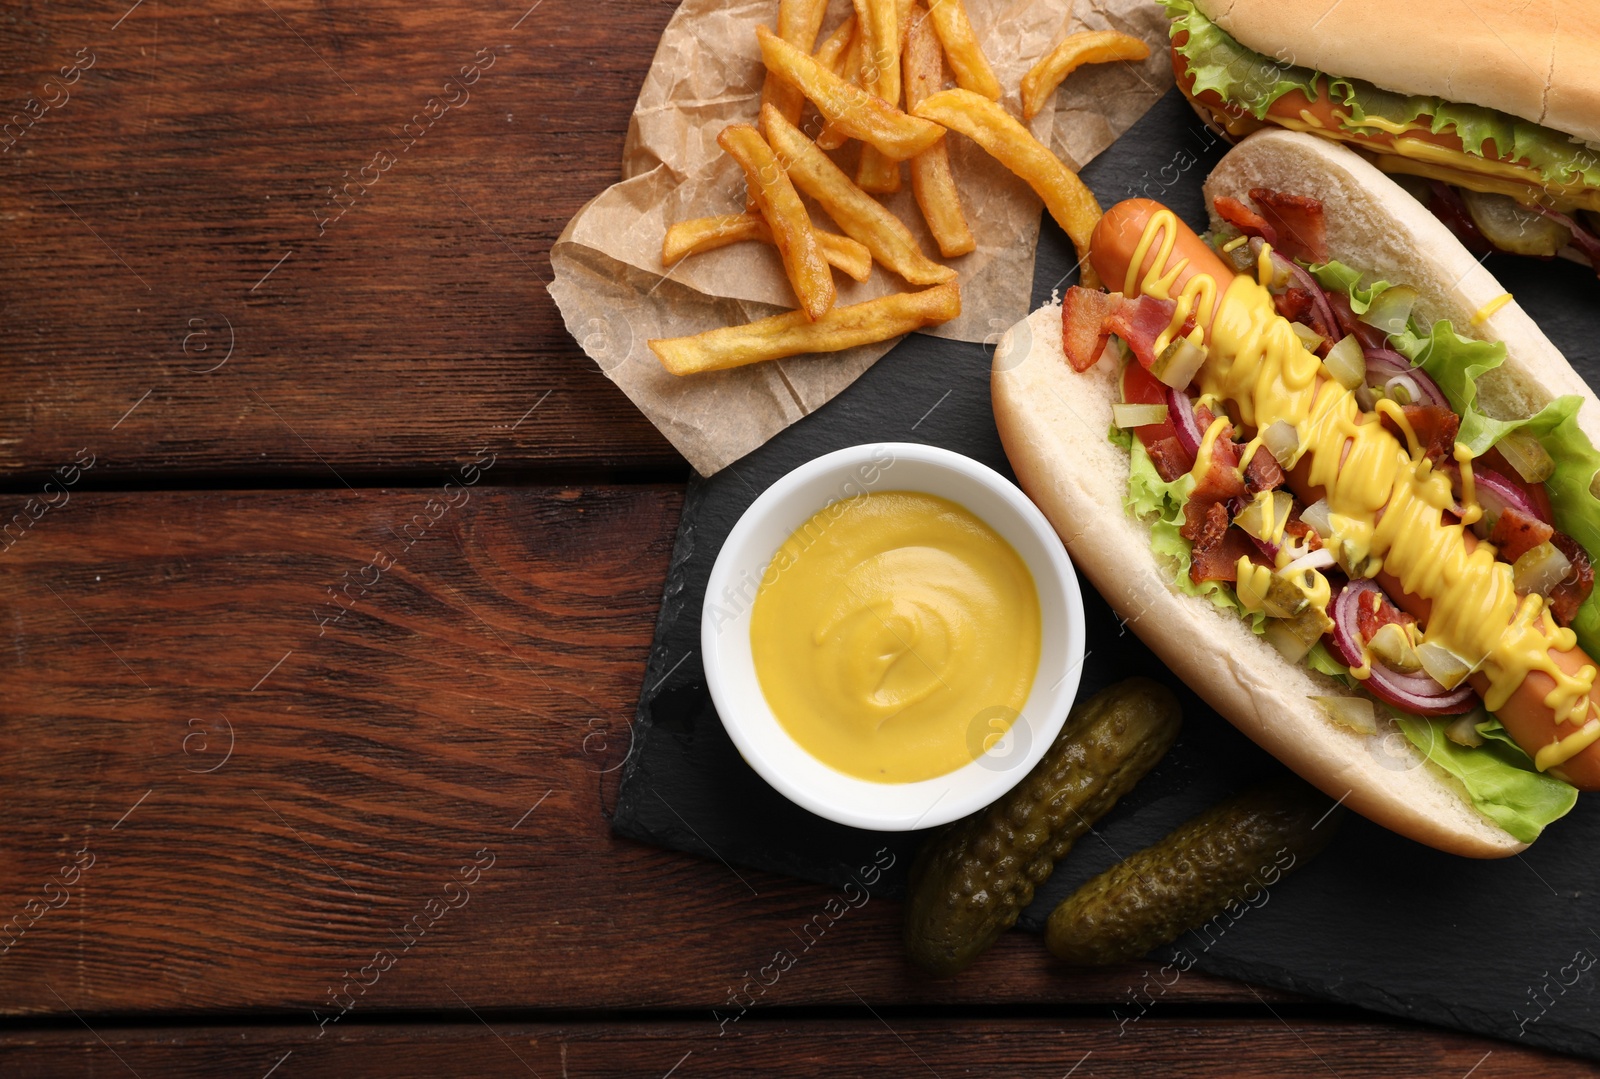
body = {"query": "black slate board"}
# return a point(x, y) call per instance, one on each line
point(1376, 921)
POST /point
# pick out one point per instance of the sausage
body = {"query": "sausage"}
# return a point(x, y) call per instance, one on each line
point(1526, 717)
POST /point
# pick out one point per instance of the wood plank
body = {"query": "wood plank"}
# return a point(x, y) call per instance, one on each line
point(896, 1046)
point(492, 667)
point(178, 198)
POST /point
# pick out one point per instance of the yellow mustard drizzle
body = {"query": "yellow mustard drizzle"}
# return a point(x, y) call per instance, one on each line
point(1235, 243)
point(1559, 752)
point(1471, 512)
point(1253, 583)
point(1484, 313)
point(1385, 504)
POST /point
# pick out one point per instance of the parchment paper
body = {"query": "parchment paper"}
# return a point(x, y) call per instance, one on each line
point(615, 295)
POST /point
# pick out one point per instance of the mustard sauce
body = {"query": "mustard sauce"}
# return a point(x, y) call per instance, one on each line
point(1486, 312)
point(1386, 501)
point(898, 639)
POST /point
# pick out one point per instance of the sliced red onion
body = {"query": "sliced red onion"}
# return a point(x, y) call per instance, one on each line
point(1184, 422)
point(1582, 238)
point(1385, 365)
point(1496, 494)
point(1319, 304)
point(1345, 635)
point(1419, 694)
point(1414, 693)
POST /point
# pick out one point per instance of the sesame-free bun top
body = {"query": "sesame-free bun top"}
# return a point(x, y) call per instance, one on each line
point(1538, 62)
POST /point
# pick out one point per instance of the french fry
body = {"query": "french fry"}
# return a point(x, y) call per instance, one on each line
point(876, 173)
point(991, 127)
point(931, 180)
point(1085, 47)
point(961, 46)
point(799, 22)
point(791, 334)
point(849, 257)
point(831, 53)
point(785, 215)
point(858, 214)
point(880, 74)
point(832, 136)
point(857, 113)
point(702, 234)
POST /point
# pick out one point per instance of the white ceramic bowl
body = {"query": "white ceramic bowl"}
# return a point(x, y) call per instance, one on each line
point(730, 669)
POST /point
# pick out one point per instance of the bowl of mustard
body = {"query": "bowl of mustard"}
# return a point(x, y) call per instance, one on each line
point(892, 635)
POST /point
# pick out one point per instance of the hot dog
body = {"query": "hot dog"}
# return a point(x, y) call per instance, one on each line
point(1531, 721)
point(1377, 500)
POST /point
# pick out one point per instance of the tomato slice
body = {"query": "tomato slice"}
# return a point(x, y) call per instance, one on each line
point(1140, 387)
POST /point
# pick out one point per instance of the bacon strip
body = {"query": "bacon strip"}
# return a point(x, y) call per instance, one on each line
point(1218, 547)
point(1516, 533)
point(1435, 427)
point(1244, 219)
point(1298, 221)
point(1566, 597)
point(1139, 322)
point(1169, 457)
point(1263, 473)
point(1084, 313)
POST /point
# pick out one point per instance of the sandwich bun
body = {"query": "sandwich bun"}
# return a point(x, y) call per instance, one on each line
point(1053, 423)
point(1535, 61)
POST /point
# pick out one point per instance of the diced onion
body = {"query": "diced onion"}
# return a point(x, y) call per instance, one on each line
point(1357, 713)
point(1178, 363)
point(1308, 337)
point(1290, 645)
point(1391, 645)
point(1402, 390)
point(1540, 569)
point(1283, 442)
point(1127, 415)
point(1391, 310)
point(1346, 363)
point(1527, 455)
point(1367, 398)
point(1443, 665)
point(1319, 518)
point(1321, 558)
point(1254, 518)
point(1464, 731)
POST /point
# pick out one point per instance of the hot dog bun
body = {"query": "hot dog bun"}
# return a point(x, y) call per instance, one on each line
point(1053, 423)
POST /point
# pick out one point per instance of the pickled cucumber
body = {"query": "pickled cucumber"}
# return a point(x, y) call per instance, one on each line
point(970, 881)
point(1219, 861)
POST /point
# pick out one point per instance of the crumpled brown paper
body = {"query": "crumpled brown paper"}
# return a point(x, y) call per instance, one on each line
point(615, 295)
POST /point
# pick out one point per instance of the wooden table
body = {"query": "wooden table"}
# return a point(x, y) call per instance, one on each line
point(329, 578)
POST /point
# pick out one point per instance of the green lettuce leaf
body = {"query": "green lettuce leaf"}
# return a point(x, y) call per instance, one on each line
point(1321, 660)
point(1151, 498)
point(1496, 777)
point(1249, 80)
